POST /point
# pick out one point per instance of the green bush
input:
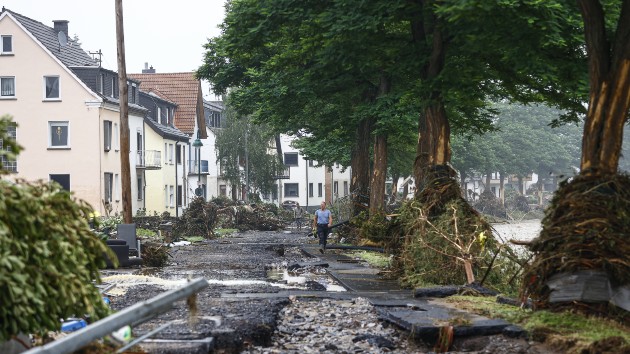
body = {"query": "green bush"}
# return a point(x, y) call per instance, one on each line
point(49, 259)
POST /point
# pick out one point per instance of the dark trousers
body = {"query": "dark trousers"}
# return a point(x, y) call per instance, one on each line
point(322, 232)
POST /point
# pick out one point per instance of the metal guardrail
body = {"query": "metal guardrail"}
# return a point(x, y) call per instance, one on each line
point(132, 315)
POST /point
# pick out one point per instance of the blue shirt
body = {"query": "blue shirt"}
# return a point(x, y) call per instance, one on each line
point(322, 216)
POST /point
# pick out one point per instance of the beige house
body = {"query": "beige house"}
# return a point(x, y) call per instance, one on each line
point(66, 109)
point(191, 167)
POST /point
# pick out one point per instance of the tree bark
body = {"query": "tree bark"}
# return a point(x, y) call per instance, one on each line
point(377, 185)
point(502, 188)
point(379, 174)
point(393, 194)
point(462, 183)
point(360, 166)
point(433, 152)
point(609, 96)
point(488, 181)
point(520, 185)
point(125, 172)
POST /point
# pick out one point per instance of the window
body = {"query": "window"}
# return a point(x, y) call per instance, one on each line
point(7, 87)
point(107, 134)
point(7, 45)
point(63, 180)
point(116, 135)
point(180, 191)
point(101, 84)
point(171, 196)
point(108, 183)
point(310, 190)
point(59, 136)
point(116, 192)
point(223, 190)
point(140, 188)
point(170, 153)
point(166, 195)
point(178, 154)
point(51, 87)
point(336, 188)
point(319, 190)
point(8, 164)
point(345, 188)
point(132, 99)
point(113, 93)
point(290, 158)
point(312, 163)
point(157, 116)
point(163, 119)
point(291, 190)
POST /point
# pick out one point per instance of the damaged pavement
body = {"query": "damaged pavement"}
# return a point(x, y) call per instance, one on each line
point(249, 286)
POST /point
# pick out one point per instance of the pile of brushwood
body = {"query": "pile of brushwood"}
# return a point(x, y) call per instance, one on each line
point(489, 204)
point(198, 219)
point(244, 217)
point(439, 239)
point(586, 227)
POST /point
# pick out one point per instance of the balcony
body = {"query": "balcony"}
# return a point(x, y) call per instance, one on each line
point(149, 159)
point(193, 167)
point(284, 174)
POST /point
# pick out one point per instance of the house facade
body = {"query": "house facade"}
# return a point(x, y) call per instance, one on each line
point(67, 122)
point(183, 90)
point(306, 181)
point(162, 159)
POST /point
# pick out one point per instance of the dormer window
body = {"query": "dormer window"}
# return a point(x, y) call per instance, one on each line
point(7, 45)
point(113, 87)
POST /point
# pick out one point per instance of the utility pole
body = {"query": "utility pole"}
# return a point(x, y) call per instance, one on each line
point(125, 173)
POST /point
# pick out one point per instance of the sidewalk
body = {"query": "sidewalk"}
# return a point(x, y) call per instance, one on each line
point(422, 317)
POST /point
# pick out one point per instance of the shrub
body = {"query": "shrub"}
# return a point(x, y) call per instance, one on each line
point(49, 258)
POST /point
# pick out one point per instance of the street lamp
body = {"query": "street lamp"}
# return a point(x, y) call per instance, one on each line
point(197, 144)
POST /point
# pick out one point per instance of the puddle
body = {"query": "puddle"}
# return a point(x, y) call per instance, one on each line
point(300, 279)
point(122, 282)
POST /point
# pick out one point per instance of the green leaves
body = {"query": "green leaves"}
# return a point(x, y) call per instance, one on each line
point(49, 259)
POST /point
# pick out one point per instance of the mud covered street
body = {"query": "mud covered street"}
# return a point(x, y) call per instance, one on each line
point(254, 305)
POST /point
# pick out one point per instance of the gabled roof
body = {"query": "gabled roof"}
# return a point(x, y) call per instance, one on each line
point(70, 54)
point(183, 89)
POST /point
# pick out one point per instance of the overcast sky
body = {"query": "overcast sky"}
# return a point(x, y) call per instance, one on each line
point(166, 34)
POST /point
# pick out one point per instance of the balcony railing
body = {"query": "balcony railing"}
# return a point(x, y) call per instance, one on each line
point(284, 174)
point(193, 167)
point(149, 159)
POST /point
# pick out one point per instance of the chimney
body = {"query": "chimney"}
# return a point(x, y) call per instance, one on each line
point(61, 26)
point(148, 70)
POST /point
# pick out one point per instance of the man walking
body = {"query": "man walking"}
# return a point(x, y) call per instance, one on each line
point(323, 221)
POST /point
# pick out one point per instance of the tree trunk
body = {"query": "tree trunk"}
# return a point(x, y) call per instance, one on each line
point(488, 181)
point(393, 193)
point(540, 189)
point(609, 101)
point(433, 152)
point(502, 188)
point(377, 185)
point(360, 167)
point(520, 186)
point(125, 172)
point(379, 174)
point(462, 183)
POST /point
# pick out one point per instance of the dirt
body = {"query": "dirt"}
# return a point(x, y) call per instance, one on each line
point(236, 266)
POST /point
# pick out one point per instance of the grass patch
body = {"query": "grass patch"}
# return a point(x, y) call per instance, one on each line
point(569, 331)
point(146, 233)
point(193, 239)
point(374, 259)
point(224, 232)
